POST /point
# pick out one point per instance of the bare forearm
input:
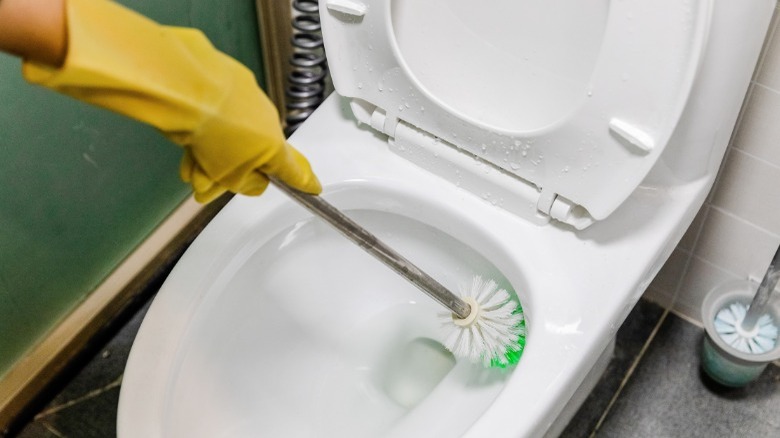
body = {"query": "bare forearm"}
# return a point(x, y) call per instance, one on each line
point(34, 29)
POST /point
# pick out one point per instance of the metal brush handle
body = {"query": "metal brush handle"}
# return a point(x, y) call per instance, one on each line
point(761, 299)
point(377, 248)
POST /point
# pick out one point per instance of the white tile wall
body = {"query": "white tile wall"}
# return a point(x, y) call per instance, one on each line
point(747, 187)
point(762, 109)
point(700, 277)
point(738, 229)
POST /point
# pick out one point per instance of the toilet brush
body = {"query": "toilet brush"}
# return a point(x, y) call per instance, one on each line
point(751, 329)
point(485, 325)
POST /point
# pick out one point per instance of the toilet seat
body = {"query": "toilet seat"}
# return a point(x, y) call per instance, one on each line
point(576, 164)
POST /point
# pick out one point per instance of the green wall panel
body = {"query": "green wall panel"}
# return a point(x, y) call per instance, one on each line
point(80, 187)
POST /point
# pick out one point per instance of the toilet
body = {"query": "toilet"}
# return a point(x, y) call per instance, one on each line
point(560, 148)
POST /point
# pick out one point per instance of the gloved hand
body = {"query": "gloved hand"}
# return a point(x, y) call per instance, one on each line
point(174, 79)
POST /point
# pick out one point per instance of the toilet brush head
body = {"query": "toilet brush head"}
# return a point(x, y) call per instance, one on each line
point(728, 325)
point(493, 333)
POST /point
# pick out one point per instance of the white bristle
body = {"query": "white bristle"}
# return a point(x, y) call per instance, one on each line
point(494, 331)
point(728, 325)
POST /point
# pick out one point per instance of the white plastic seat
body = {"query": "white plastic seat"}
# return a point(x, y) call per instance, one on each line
point(579, 99)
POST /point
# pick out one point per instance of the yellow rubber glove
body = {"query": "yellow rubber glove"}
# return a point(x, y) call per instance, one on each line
point(174, 79)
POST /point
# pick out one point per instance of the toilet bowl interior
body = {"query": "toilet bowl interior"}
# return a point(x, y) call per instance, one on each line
point(304, 335)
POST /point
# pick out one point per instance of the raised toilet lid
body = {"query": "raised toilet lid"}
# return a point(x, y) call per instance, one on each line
point(577, 99)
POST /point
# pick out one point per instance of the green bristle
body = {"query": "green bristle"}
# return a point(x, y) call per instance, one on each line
point(512, 356)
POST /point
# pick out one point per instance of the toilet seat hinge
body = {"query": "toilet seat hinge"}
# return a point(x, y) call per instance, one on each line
point(563, 210)
point(373, 116)
point(383, 123)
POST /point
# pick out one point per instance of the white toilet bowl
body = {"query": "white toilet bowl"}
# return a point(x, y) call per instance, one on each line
point(272, 324)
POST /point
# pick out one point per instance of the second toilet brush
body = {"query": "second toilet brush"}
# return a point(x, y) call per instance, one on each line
point(751, 329)
point(485, 324)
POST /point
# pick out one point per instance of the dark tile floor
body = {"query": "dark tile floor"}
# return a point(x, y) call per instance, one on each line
point(86, 405)
point(652, 388)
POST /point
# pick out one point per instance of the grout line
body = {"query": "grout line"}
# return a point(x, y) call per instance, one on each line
point(767, 87)
point(52, 429)
point(762, 160)
point(91, 394)
point(630, 372)
point(742, 220)
point(722, 269)
point(687, 318)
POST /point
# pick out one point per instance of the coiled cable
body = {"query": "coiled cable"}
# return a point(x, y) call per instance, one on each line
point(306, 82)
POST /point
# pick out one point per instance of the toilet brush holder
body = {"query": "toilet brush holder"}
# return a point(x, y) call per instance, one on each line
point(727, 364)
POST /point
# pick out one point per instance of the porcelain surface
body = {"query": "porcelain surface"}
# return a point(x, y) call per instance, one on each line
point(271, 324)
point(271, 321)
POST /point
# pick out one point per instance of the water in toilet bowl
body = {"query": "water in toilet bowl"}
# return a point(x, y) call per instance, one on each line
point(336, 343)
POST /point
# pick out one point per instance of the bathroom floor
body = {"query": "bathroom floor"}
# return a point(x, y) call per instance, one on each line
point(652, 388)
